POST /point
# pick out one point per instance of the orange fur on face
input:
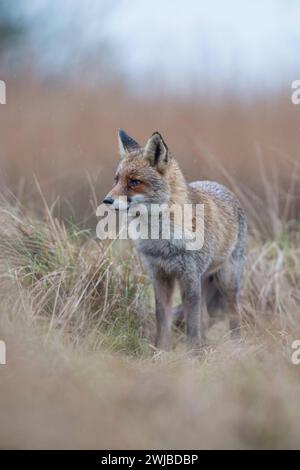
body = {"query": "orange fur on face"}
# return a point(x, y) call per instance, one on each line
point(140, 189)
point(123, 186)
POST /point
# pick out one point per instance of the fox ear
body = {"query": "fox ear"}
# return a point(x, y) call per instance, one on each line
point(126, 143)
point(156, 151)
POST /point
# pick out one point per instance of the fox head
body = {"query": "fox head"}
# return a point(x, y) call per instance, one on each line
point(142, 174)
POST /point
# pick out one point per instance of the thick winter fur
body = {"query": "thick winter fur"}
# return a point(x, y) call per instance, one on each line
point(151, 175)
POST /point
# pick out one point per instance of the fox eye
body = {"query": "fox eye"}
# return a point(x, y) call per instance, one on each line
point(134, 182)
point(116, 179)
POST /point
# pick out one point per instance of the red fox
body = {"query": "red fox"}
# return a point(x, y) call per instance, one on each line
point(151, 175)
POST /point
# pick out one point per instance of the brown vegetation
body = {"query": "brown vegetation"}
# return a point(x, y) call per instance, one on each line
point(66, 136)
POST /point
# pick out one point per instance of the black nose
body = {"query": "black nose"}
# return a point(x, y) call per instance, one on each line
point(108, 200)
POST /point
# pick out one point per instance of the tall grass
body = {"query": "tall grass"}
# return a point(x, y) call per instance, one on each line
point(76, 284)
point(77, 317)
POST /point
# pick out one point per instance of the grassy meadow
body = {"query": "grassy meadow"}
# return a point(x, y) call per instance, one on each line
point(77, 313)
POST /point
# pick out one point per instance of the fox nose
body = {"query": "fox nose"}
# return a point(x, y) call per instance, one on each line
point(108, 200)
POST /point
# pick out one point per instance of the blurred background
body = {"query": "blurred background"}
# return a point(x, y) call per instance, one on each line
point(213, 77)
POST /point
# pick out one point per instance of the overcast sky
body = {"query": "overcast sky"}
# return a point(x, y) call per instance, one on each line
point(172, 43)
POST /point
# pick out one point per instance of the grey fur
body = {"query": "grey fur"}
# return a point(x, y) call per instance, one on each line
point(168, 262)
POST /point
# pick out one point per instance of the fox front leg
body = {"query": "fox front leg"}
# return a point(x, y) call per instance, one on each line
point(191, 301)
point(163, 289)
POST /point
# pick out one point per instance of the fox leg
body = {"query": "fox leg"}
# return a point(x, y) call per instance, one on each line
point(228, 282)
point(191, 302)
point(178, 315)
point(163, 289)
point(214, 300)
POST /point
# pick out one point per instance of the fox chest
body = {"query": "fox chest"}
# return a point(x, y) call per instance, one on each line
point(172, 257)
